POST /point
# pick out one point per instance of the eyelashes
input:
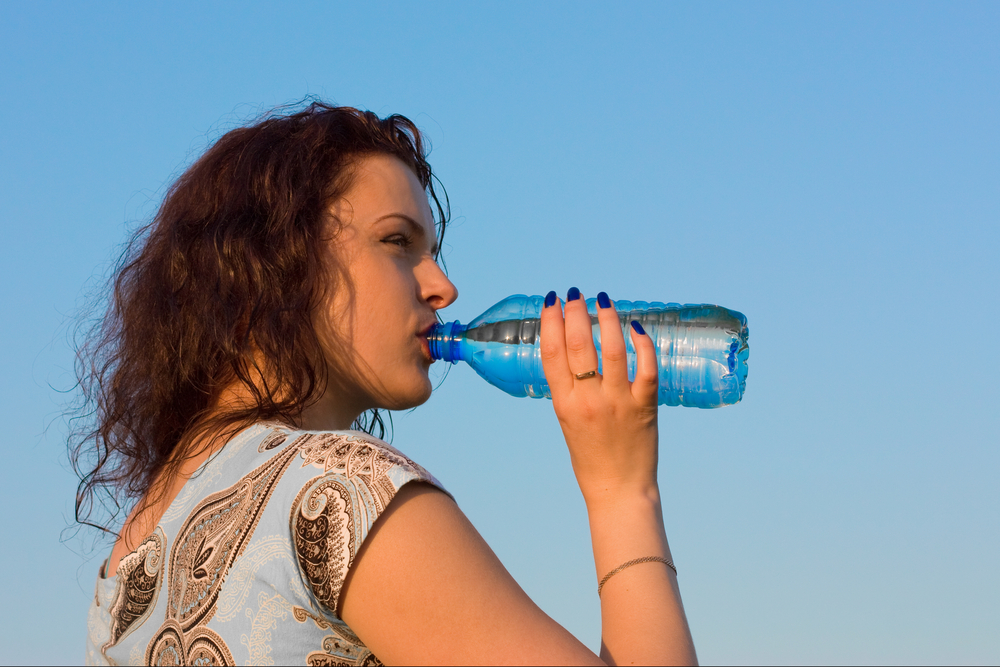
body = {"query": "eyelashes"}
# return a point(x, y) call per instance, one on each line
point(401, 240)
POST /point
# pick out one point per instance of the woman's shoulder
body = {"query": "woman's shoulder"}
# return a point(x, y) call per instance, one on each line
point(352, 457)
point(322, 489)
point(335, 486)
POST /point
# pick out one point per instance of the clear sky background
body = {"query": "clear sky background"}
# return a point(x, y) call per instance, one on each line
point(830, 170)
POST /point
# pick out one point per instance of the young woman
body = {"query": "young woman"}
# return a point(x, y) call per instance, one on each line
point(282, 295)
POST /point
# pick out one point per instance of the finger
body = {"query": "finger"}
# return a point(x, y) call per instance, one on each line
point(614, 366)
point(552, 342)
point(646, 386)
point(580, 348)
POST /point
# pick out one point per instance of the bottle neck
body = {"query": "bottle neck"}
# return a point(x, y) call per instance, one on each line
point(445, 341)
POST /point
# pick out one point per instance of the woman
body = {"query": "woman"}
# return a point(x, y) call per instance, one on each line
point(282, 294)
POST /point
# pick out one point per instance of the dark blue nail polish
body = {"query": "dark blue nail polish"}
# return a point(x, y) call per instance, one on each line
point(638, 328)
point(602, 300)
point(550, 299)
point(573, 294)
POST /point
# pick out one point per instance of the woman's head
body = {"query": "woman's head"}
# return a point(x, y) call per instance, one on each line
point(382, 236)
point(291, 267)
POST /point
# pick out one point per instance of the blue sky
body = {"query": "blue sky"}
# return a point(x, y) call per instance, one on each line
point(830, 170)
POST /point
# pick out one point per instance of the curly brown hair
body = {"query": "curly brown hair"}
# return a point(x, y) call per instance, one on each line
point(227, 273)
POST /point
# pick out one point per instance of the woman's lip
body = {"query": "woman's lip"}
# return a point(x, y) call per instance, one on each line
point(425, 346)
point(426, 331)
point(424, 343)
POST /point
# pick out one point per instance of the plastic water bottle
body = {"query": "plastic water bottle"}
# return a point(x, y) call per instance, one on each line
point(702, 349)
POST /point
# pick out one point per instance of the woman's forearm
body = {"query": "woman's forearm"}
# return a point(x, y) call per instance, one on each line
point(642, 617)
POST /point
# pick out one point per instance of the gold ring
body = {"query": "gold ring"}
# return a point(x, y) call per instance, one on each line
point(584, 376)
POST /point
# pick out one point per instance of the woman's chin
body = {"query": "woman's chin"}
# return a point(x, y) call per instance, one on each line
point(413, 395)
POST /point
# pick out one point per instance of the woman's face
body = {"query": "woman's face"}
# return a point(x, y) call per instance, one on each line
point(383, 236)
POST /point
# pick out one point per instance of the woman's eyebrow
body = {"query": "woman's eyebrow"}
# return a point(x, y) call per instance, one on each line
point(418, 229)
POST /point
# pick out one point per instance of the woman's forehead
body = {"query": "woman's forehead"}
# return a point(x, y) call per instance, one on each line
point(384, 185)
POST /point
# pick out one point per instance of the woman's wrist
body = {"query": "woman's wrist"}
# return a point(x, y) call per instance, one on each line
point(626, 525)
point(615, 496)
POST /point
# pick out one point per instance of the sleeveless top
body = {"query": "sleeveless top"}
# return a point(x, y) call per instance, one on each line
point(247, 563)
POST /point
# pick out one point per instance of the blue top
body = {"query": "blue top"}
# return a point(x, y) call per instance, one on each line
point(247, 563)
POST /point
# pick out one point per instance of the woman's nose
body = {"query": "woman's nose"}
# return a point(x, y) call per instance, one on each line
point(437, 289)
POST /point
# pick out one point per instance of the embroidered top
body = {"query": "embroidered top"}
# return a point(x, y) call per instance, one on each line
point(247, 563)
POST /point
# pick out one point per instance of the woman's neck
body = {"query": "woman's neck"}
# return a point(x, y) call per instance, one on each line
point(330, 413)
point(335, 410)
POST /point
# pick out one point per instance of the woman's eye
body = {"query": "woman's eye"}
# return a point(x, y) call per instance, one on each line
point(398, 239)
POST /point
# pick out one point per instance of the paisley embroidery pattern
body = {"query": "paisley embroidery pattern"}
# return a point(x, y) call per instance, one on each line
point(207, 478)
point(214, 535)
point(319, 659)
point(323, 530)
point(139, 579)
point(270, 609)
point(135, 655)
point(237, 551)
point(360, 459)
point(244, 573)
point(172, 646)
point(274, 439)
point(343, 647)
point(330, 518)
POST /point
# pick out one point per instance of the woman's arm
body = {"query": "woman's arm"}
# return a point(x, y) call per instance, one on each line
point(426, 589)
point(610, 425)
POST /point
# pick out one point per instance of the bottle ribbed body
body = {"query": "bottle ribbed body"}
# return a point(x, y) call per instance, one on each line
point(702, 349)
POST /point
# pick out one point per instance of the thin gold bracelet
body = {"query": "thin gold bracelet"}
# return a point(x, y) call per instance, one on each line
point(645, 559)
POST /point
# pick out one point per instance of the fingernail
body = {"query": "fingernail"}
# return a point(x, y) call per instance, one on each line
point(602, 300)
point(550, 299)
point(638, 328)
point(573, 294)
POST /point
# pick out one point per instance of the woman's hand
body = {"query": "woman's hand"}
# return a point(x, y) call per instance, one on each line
point(609, 423)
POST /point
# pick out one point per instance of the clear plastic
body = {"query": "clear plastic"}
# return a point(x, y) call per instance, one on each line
point(702, 349)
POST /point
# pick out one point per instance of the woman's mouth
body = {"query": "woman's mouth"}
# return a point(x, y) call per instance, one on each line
point(424, 343)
